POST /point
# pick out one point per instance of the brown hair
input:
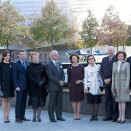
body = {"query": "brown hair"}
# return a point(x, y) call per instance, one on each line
point(89, 57)
point(78, 58)
point(120, 52)
point(34, 53)
point(21, 51)
point(4, 54)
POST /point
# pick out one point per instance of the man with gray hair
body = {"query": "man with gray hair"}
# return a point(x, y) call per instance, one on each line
point(106, 73)
point(56, 81)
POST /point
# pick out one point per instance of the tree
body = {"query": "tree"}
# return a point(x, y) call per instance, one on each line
point(128, 42)
point(112, 30)
point(88, 36)
point(52, 25)
point(11, 29)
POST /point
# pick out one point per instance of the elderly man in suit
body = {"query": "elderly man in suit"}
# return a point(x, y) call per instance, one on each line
point(106, 73)
point(20, 83)
point(56, 81)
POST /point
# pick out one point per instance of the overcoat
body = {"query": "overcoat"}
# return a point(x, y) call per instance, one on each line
point(120, 81)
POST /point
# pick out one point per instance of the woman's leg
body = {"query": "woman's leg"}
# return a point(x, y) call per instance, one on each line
point(92, 111)
point(8, 108)
point(123, 111)
point(4, 108)
point(120, 111)
point(39, 112)
point(96, 107)
point(74, 109)
point(34, 114)
point(78, 109)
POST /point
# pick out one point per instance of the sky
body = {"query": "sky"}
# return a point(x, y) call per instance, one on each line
point(97, 6)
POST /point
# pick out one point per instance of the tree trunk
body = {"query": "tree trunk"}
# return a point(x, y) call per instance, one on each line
point(123, 47)
point(117, 47)
point(91, 49)
point(7, 44)
point(52, 46)
point(52, 43)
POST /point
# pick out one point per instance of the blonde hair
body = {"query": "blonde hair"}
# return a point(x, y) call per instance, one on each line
point(34, 53)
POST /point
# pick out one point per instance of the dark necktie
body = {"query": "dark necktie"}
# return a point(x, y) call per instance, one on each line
point(24, 66)
point(56, 64)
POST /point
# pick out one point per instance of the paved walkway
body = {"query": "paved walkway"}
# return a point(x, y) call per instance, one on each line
point(69, 125)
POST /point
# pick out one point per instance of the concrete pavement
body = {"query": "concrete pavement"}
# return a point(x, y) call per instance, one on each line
point(69, 125)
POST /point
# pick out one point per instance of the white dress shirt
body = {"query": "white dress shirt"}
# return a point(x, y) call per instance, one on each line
point(118, 66)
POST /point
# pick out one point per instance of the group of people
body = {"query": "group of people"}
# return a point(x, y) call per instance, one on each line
point(32, 79)
point(112, 75)
point(38, 80)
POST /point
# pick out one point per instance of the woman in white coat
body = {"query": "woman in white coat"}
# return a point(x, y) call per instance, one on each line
point(93, 86)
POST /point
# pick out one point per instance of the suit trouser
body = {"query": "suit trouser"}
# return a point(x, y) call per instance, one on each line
point(111, 106)
point(55, 104)
point(21, 97)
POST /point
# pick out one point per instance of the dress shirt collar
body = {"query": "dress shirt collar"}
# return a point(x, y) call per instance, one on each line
point(21, 61)
point(54, 62)
point(111, 57)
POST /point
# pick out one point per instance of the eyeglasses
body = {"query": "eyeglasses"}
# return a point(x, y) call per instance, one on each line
point(91, 58)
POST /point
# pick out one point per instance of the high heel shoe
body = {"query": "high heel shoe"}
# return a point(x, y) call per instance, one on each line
point(118, 121)
point(39, 119)
point(34, 119)
point(122, 122)
point(6, 121)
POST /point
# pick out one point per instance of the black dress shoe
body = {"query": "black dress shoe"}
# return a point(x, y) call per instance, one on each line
point(122, 122)
point(95, 118)
point(25, 119)
point(61, 119)
point(34, 119)
point(39, 120)
point(53, 120)
point(118, 121)
point(6, 121)
point(107, 119)
point(18, 120)
point(114, 120)
point(92, 118)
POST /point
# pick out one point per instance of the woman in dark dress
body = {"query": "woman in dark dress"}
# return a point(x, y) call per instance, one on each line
point(75, 81)
point(37, 79)
point(6, 83)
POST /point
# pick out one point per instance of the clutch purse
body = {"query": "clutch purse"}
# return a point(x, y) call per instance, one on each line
point(101, 88)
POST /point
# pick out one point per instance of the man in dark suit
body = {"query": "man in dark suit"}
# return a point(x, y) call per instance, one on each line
point(20, 83)
point(129, 60)
point(106, 73)
point(56, 81)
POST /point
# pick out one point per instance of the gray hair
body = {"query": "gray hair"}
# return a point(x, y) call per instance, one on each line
point(111, 47)
point(53, 52)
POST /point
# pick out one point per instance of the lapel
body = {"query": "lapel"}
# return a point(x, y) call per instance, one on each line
point(112, 59)
point(21, 66)
point(54, 66)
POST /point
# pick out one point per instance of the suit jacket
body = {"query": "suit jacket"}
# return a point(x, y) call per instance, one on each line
point(20, 75)
point(106, 69)
point(54, 76)
point(129, 61)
